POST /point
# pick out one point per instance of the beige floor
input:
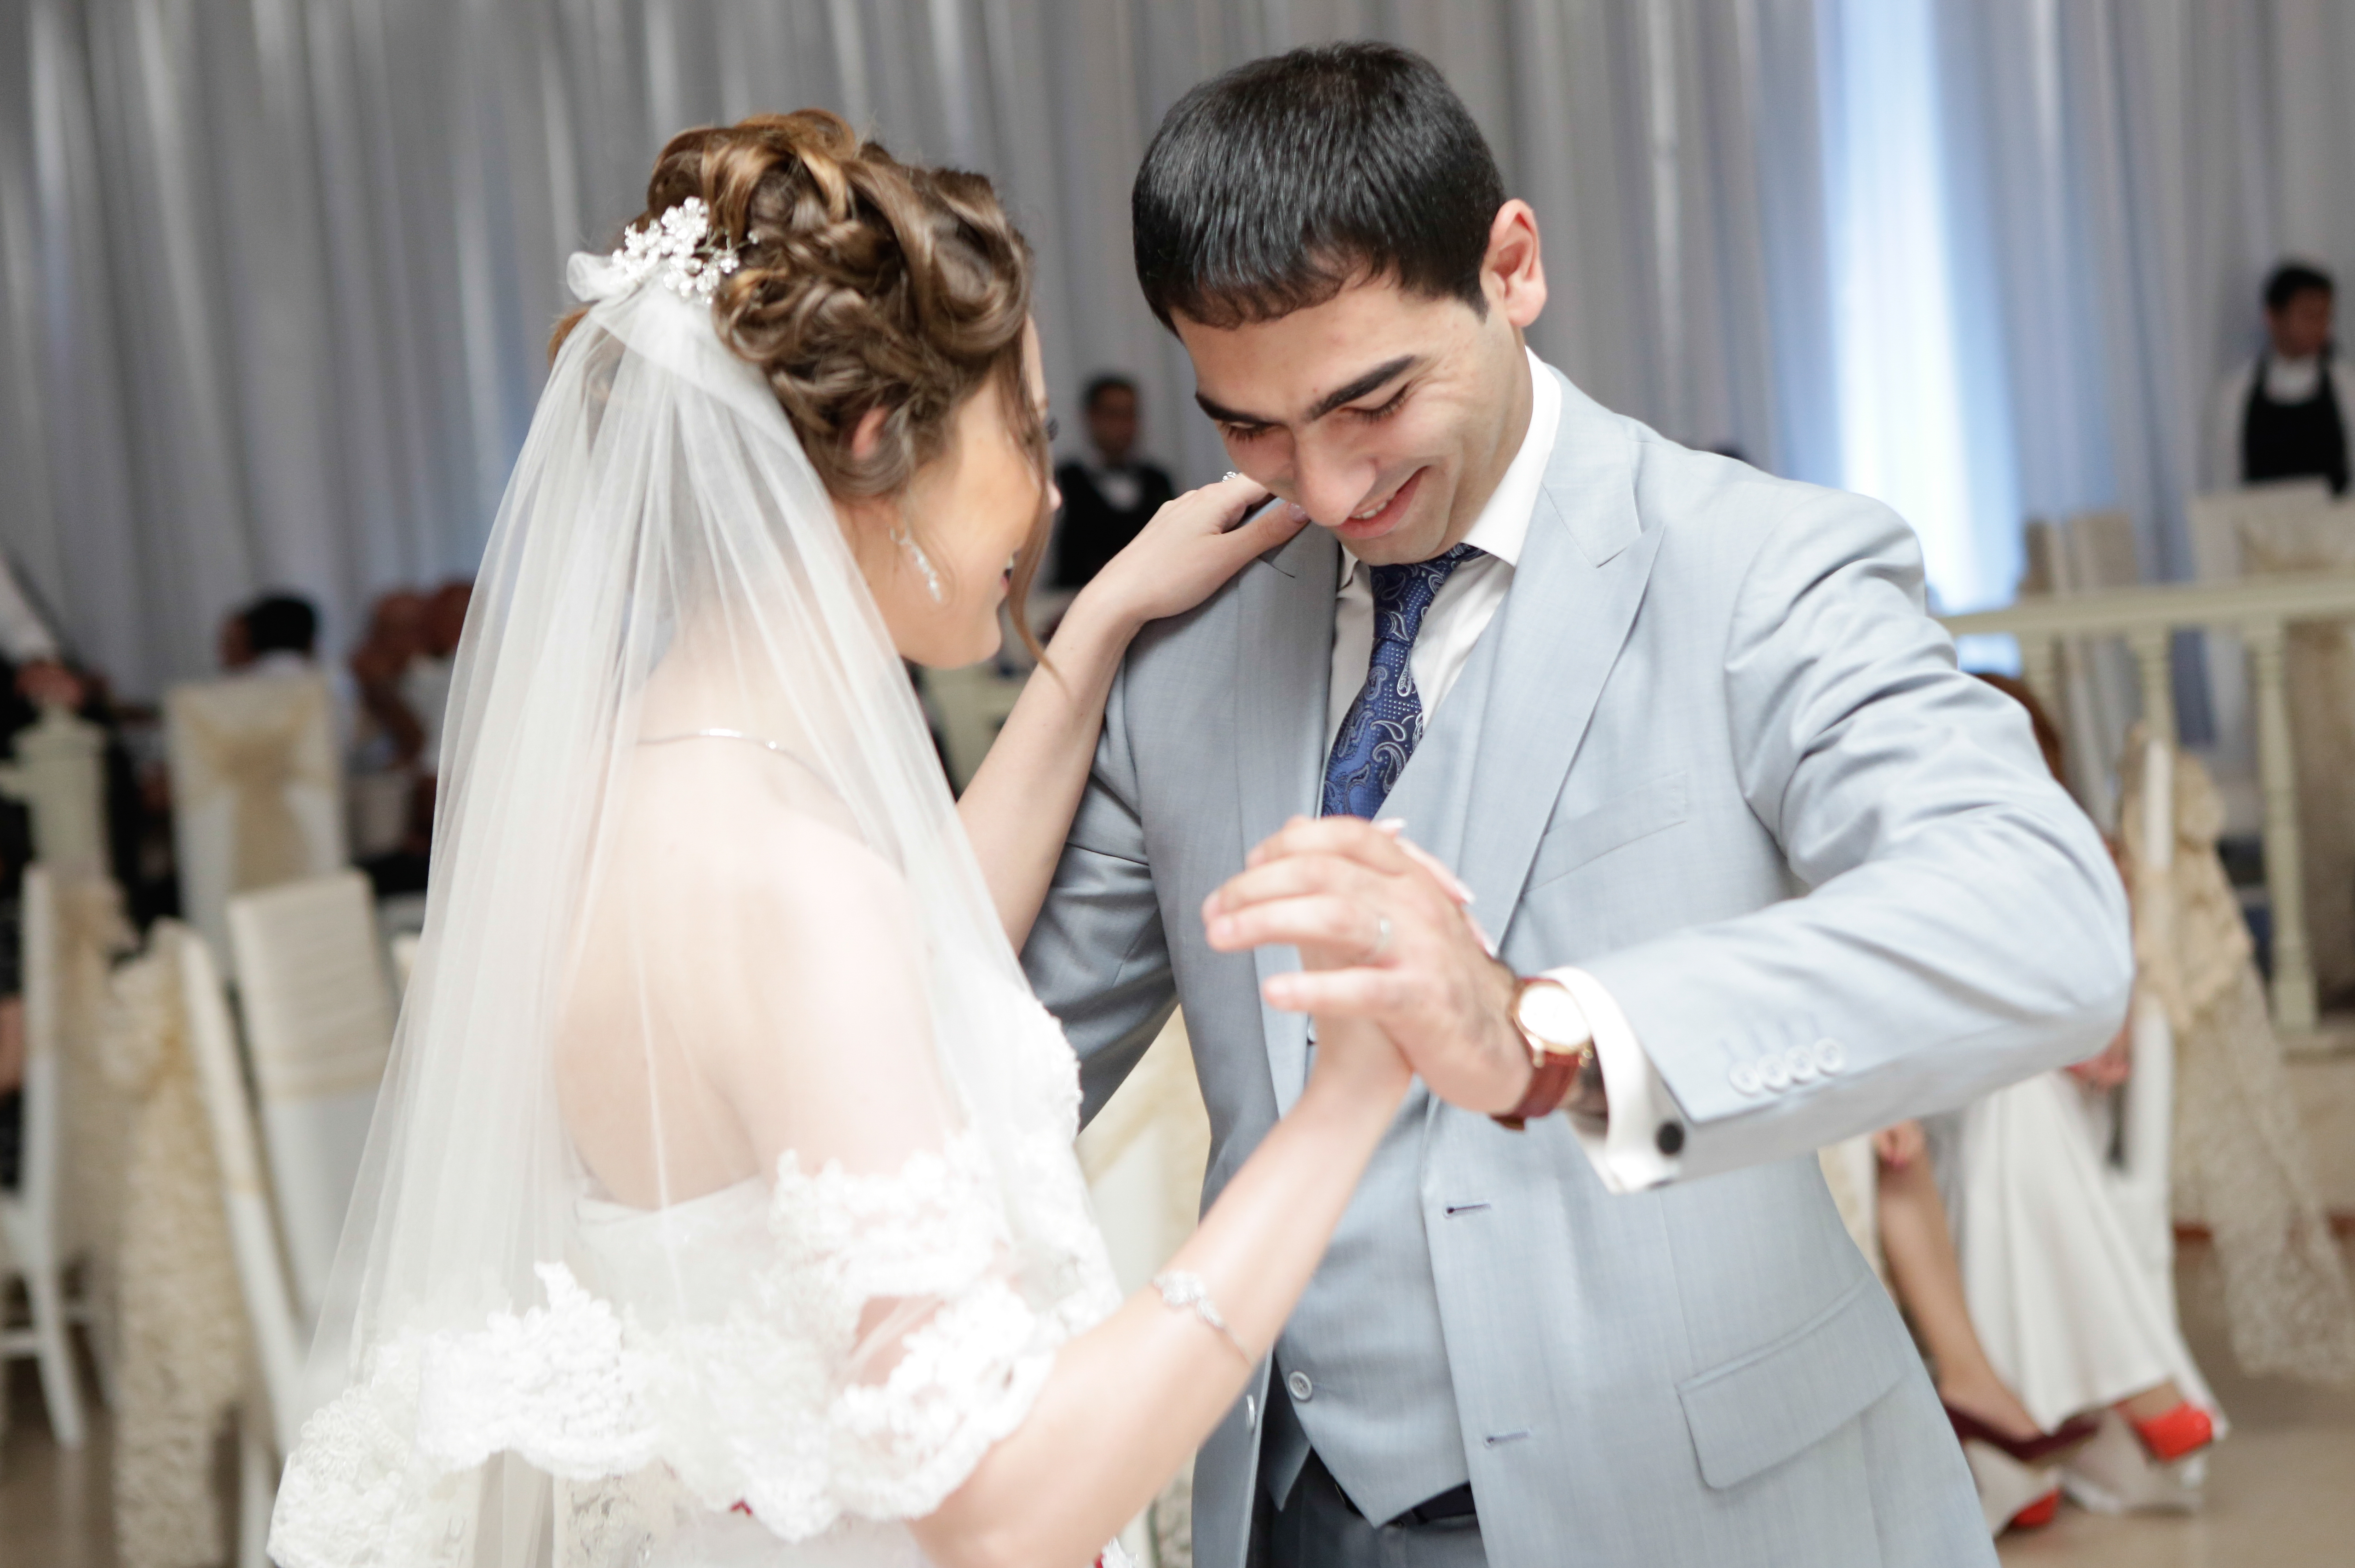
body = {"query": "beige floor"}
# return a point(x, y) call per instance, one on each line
point(2281, 1488)
point(53, 1504)
point(2281, 1492)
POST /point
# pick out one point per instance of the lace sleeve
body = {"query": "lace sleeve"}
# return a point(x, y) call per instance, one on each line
point(948, 1362)
point(868, 1348)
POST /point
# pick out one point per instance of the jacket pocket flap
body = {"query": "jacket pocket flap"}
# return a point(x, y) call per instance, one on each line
point(1650, 806)
point(1760, 1408)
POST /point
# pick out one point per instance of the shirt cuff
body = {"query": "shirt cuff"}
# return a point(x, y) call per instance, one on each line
point(1635, 1149)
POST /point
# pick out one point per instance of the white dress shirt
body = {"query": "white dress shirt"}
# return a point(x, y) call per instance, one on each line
point(1624, 1153)
point(1121, 487)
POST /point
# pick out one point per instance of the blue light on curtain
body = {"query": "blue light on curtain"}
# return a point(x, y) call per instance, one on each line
point(1921, 421)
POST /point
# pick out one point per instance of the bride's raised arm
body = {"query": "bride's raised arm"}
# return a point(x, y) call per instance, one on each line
point(962, 1404)
point(1020, 802)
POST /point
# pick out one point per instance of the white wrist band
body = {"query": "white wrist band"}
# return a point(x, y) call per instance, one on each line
point(1186, 1292)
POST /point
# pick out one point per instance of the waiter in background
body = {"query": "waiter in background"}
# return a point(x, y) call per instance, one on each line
point(1107, 501)
point(2285, 416)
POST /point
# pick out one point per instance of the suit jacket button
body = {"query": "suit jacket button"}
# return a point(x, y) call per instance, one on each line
point(1802, 1062)
point(1744, 1079)
point(1670, 1138)
point(1829, 1057)
point(1774, 1073)
point(1299, 1384)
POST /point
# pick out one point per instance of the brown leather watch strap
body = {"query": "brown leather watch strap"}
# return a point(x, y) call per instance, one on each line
point(1550, 1085)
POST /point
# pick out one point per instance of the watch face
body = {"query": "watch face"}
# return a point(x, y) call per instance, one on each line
point(1551, 1014)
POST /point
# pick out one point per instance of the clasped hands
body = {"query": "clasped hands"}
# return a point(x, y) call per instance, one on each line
point(1386, 937)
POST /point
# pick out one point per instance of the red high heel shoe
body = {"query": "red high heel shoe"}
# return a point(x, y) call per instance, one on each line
point(2186, 1430)
point(2038, 1514)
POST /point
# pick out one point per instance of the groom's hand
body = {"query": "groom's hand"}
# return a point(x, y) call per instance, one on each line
point(1383, 938)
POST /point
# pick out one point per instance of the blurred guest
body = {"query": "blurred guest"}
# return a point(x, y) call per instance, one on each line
point(1108, 500)
point(31, 648)
point(2285, 417)
point(391, 736)
point(425, 685)
point(232, 646)
point(277, 633)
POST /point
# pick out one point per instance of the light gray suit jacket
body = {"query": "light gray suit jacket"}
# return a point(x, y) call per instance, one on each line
point(1712, 751)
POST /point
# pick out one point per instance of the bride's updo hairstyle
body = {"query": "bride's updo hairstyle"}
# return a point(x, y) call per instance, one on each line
point(862, 283)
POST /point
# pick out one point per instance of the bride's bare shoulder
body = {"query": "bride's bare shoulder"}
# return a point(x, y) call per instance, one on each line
point(737, 835)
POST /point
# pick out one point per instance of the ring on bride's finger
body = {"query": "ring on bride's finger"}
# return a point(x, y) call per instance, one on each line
point(1381, 939)
point(1232, 473)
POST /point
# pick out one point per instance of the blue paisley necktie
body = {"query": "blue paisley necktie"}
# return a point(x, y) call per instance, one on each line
point(1381, 730)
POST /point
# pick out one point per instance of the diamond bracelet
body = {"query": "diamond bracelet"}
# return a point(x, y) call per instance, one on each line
point(1186, 1292)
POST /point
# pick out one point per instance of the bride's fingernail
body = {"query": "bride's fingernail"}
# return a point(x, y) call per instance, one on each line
point(1394, 826)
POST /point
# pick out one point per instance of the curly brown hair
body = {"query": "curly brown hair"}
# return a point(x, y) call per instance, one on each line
point(862, 283)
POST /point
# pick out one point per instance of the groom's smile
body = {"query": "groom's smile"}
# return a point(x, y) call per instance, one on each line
point(1387, 415)
point(1383, 515)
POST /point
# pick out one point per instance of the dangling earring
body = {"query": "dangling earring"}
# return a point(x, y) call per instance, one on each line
point(923, 563)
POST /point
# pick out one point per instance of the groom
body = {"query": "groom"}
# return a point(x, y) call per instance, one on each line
point(1765, 872)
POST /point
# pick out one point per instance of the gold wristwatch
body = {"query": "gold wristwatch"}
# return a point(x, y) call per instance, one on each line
point(1561, 1044)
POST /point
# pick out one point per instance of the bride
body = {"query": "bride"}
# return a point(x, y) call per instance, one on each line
point(721, 1208)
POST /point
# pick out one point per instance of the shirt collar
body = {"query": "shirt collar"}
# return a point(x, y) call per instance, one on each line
point(1503, 525)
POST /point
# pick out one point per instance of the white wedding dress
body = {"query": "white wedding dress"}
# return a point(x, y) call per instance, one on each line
point(512, 1368)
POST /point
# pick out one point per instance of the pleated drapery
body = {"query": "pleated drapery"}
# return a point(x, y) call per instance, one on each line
point(2124, 172)
point(275, 275)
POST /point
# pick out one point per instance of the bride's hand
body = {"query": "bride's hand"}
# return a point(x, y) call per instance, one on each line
point(1194, 543)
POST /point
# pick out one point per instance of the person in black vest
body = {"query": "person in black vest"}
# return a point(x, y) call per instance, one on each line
point(1105, 502)
point(2285, 416)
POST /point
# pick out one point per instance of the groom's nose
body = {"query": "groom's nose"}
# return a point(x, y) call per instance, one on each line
point(1329, 487)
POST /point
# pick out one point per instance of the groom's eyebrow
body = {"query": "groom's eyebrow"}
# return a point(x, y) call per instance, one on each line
point(1389, 370)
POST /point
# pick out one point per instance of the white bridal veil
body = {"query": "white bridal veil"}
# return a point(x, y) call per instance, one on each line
point(688, 796)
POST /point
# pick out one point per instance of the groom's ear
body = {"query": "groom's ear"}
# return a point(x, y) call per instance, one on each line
point(1512, 272)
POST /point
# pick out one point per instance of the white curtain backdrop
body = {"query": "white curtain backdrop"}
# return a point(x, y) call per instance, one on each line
point(275, 274)
point(2123, 174)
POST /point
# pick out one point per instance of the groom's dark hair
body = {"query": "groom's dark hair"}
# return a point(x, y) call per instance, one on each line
point(1268, 189)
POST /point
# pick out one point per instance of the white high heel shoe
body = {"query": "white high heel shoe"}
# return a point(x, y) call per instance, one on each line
point(2114, 1473)
point(2007, 1488)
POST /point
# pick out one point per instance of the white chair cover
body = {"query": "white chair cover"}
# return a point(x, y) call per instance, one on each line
point(257, 792)
point(267, 1424)
point(2239, 1161)
point(2099, 697)
point(185, 1349)
point(2216, 521)
point(318, 1018)
point(2141, 1180)
point(29, 1214)
point(2319, 674)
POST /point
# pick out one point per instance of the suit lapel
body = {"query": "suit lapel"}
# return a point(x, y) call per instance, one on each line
point(1284, 664)
point(1482, 785)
